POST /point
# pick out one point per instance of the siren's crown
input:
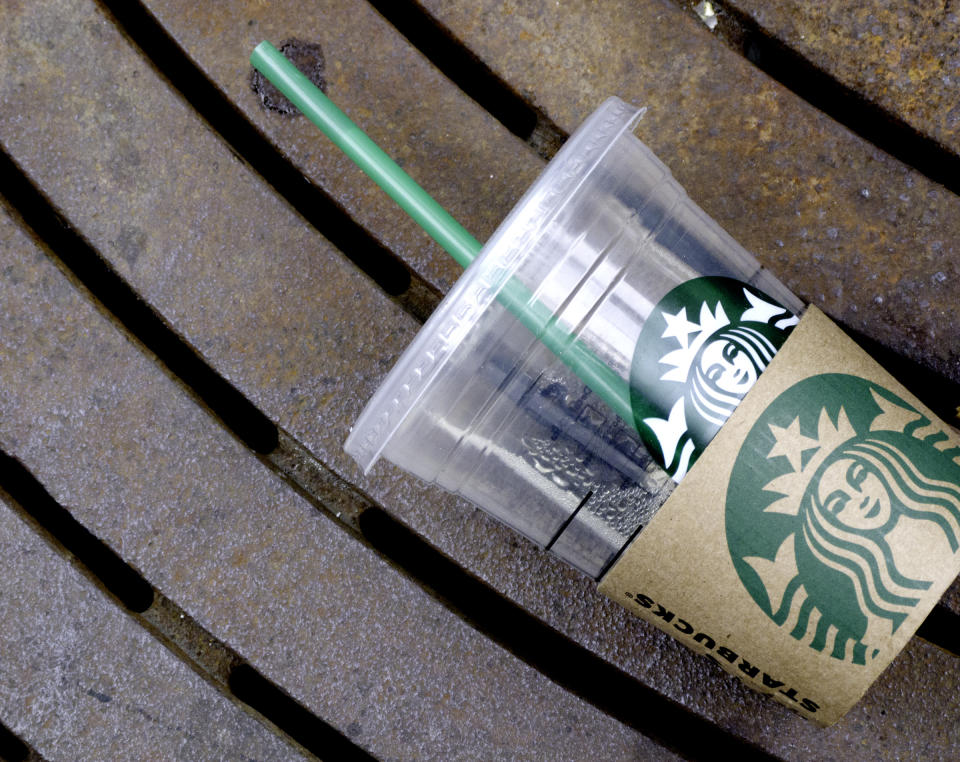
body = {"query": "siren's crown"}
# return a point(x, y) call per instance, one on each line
point(792, 444)
point(692, 335)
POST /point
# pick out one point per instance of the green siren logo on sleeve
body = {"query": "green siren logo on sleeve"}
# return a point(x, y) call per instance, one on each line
point(837, 485)
point(699, 352)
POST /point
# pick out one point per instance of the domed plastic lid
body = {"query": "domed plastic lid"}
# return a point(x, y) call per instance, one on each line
point(484, 279)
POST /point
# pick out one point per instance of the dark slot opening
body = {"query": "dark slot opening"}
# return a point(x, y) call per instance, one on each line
point(942, 628)
point(311, 202)
point(556, 656)
point(12, 748)
point(870, 121)
point(291, 717)
point(115, 575)
point(460, 65)
point(252, 426)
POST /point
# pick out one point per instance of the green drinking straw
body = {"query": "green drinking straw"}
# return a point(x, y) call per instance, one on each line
point(438, 223)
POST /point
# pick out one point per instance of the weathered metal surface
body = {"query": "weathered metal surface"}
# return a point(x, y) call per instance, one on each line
point(444, 140)
point(847, 227)
point(80, 680)
point(269, 305)
point(109, 434)
point(904, 57)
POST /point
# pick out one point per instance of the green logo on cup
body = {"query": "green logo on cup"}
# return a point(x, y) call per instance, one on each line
point(698, 354)
point(841, 500)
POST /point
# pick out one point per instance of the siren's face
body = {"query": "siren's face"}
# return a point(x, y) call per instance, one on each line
point(854, 494)
point(728, 367)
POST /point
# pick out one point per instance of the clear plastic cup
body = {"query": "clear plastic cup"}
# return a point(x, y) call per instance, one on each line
point(479, 405)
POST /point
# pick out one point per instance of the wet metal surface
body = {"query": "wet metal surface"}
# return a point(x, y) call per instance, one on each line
point(138, 462)
point(905, 57)
point(80, 680)
point(308, 339)
point(469, 162)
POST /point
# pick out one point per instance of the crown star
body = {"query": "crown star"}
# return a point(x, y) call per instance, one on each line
point(681, 329)
point(678, 327)
point(790, 443)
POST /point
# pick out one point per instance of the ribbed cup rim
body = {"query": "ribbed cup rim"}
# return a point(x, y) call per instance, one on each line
point(475, 290)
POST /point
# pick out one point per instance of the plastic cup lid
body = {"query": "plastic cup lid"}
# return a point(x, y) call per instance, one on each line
point(482, 281)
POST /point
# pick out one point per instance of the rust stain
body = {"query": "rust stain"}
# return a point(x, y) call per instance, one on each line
point(308, 58)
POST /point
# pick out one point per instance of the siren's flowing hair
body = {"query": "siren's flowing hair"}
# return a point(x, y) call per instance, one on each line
point(712, 403)
point(863, 556)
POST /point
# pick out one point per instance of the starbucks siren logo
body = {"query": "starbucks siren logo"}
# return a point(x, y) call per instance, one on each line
point(841, 500)
point(698, 354)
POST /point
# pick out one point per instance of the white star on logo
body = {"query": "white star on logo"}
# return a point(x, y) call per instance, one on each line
point(791, 443)
point(679, 327)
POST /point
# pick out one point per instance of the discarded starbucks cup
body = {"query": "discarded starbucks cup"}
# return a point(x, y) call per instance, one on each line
point(479, 405)
point(609, 326)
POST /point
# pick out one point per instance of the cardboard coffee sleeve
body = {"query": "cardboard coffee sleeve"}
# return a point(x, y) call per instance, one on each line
point(814, 533)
